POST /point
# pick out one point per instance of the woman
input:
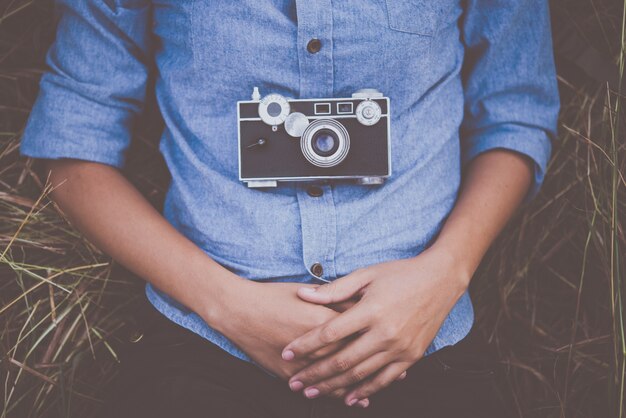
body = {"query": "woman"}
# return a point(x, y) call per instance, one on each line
point(320, 298)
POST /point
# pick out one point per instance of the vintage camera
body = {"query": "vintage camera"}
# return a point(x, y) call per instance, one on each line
point(285, 139)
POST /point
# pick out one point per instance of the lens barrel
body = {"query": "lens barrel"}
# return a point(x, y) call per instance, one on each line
point(325, 143)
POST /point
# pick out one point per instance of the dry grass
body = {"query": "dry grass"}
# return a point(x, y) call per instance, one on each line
point(548, 295)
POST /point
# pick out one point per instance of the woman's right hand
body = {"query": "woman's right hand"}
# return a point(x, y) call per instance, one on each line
point(261, 318)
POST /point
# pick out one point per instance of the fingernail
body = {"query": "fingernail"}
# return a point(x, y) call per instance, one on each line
point(403, 375)
point(308, 289)
point(352, 401)
point(288, 355)
point(363, 403)
point(296, 385)
point(311, 392)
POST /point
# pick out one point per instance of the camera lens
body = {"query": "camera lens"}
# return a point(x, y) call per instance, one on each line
point(325, 142)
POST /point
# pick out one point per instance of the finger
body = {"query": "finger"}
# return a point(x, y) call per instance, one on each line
point(377, 382)
point(335, 291)
point(328, 350)
point(338, 393)
point(353, 376)
point(343, 306)
point(332, 348)
point(353, 354)
point(338, 328)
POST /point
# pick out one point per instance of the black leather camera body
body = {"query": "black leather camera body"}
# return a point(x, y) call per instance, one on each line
point(284, 139)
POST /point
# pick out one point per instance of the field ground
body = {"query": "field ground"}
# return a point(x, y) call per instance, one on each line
point(548, 296)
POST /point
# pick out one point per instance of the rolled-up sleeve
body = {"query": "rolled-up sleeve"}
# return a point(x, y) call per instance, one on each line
point(511, 93)
point(94, 84)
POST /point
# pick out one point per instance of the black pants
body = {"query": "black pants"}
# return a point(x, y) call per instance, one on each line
point(172, 372)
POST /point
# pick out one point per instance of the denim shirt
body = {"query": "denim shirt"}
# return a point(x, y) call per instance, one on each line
point(462, 77)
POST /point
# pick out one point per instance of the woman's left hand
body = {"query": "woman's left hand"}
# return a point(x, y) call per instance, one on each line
point(402, 305)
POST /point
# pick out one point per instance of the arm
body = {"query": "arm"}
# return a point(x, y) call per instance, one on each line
point(494, 185)
point(101, 203)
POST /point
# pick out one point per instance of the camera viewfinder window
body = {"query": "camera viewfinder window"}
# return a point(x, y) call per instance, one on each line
point(322, 108)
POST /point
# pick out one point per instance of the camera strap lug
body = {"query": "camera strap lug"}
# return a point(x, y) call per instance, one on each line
point(261, 183)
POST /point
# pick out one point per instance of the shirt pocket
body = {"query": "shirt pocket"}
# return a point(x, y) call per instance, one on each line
point(419, 17)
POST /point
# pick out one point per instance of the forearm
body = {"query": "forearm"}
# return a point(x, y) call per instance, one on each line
point(100, 202)
point(494, 185)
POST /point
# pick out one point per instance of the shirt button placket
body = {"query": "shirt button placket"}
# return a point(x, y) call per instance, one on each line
point(315, 59)
point(319, 229)
point(317, 208)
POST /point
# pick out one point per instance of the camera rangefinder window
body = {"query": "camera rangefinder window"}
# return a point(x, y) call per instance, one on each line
point(343, 108)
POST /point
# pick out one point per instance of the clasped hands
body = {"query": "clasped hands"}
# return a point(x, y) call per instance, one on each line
point(390, 313)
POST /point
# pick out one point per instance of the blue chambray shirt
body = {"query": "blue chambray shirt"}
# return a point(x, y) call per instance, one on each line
point(462, 78)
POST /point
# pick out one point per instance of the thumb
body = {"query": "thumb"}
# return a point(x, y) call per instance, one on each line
point(336, 291)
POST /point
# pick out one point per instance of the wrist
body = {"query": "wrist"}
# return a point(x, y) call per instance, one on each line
point(234, 312)
point(214, 292)
point(458, 265)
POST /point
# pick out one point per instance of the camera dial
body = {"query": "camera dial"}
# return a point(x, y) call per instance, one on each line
point(368, 112)
point(366, 94)
point(274, 109)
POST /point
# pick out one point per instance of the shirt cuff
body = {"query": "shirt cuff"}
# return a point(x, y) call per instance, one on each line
point(532, 142)
point(64, 124)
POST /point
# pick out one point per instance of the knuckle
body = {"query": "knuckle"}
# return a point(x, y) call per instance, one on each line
point(367, 390)
point(356, 376)
point(380, 382)
point(361, 393)
point(386, 335)
point(328, 334)
point(391, 334)
point(307, 376)
point(402, 346)
point(338, 393)
point(324, 387)
point(341, 364)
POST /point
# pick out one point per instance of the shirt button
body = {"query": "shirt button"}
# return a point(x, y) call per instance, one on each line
point(317, 269)
point(314, 45)
point(314, 191)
